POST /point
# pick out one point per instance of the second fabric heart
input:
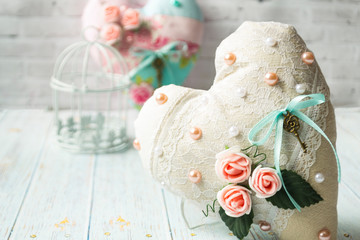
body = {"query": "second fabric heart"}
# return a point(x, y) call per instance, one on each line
point(159, 41)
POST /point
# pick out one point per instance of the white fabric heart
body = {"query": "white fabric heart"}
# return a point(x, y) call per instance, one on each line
point(259, 48)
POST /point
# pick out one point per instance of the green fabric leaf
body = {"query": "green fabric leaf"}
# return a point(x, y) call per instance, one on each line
point(240, 226)
point(149, 80)
point(138, 79)
point(298, 188)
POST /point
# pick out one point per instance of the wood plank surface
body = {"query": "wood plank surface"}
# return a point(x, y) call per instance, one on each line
point(348, 147)
point(47, 193)
point(58, 203)
point(180, 230)
point(22, 136)
point(127, 203)
point(348, 213)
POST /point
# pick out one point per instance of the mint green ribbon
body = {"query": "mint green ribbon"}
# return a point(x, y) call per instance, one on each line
point(150, 55)
point(276, 119)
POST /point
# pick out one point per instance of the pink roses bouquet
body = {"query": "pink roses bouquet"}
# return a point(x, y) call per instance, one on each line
point(234, 167)
point(247, 178)
point(119, 21)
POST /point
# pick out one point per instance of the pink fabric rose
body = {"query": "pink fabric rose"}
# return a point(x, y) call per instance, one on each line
point(141, 93)
point(131, 19)
point(111, 33)
point(160, 41)
point(111, 14)
point(265, 182)
point(233, 166)
point(235, 200)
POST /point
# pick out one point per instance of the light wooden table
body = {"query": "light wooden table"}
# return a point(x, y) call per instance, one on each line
point(47, 193)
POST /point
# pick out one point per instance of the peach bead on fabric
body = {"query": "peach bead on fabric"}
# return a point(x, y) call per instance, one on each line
point(324, 234)
point(230, 58)
point(308, 58)
point(233, 167)
point(264, 182)
point(136, 144)
point(161, 98)
point(195, 133)
point(271, 78)
point(264, 226)
point(194, 176)
point(235, 200)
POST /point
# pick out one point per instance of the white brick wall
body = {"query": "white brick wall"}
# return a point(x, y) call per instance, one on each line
point(33, 32)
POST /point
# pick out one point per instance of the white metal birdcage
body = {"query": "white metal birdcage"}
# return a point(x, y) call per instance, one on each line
point(90, 85)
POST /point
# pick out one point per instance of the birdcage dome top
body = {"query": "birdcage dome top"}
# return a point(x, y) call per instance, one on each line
point(90, 66)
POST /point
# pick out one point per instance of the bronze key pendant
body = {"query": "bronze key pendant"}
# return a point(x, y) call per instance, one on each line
point(292, 125)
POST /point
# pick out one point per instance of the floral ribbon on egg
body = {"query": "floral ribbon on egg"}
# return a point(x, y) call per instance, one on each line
point(157, 58)
point(276, 119)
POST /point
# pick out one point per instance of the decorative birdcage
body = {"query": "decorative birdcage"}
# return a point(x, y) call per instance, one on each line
point(90, 85)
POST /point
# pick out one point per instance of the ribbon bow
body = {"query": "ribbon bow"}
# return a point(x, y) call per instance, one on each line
point(149, 56)
point(276, 118)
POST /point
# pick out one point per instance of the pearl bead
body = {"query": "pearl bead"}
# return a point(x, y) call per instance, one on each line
point(230, 58)
point(194, 176)
point(300, 88)
point(162, 183)
point(158, 151)
point(136, 144)
point(308, 58)
point(233, 131)
point(241, 92)
point(195, 133)
point(129, 39)
point(204, 99)
point(264, 226)
point(324, 234)
point(161, 98)
point(271, 78)
point(319, 177)
point(270, 42)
